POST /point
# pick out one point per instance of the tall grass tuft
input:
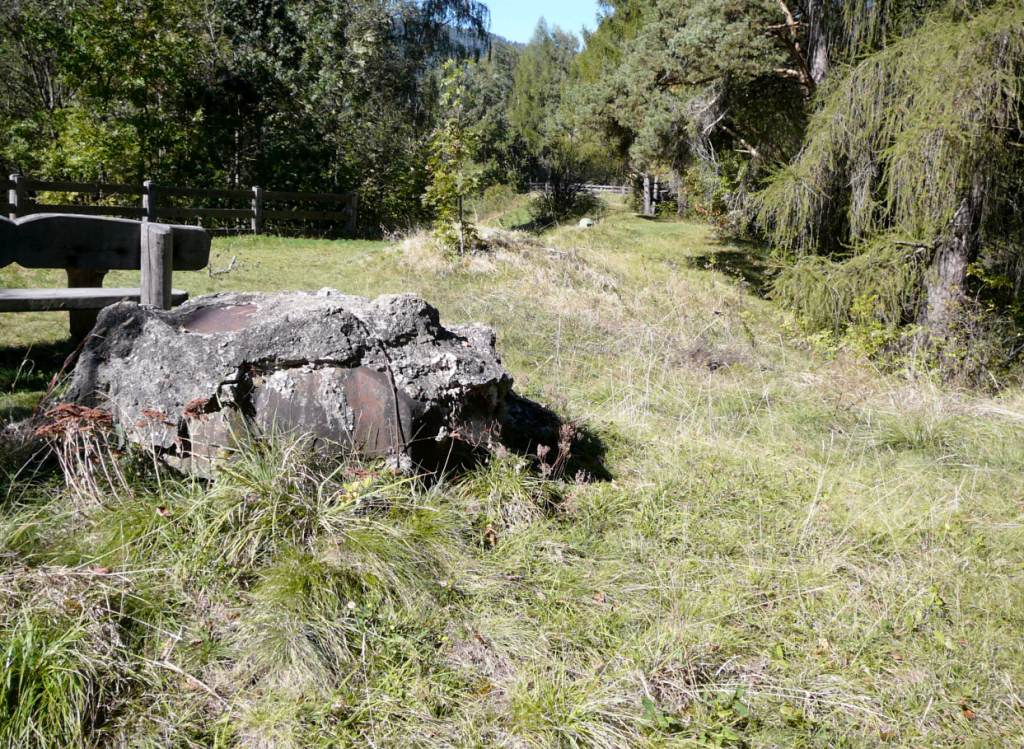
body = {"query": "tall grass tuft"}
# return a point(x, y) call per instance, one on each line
point(65, 660)
point(505, 495)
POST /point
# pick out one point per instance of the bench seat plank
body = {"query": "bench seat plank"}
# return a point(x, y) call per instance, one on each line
point(48, 300)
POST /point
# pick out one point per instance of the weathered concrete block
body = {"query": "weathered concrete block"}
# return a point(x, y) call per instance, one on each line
point(381, 377)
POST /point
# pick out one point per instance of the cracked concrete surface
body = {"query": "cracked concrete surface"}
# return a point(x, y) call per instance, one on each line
point(382, 377)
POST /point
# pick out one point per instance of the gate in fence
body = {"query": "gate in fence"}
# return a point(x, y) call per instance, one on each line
point(596, 189)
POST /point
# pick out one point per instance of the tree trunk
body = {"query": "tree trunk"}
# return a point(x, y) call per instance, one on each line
point(945, 279)
point(462, 229)
point(818, 41)
point(647, 195)
point(681, 203)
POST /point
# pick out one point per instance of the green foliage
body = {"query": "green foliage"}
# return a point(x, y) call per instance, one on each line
point(621, 22)
point(546, 116)
point(64, 659)
point(506, 495)
point(49, 686)
point(830, 293)
point(728, 716)
point(919, 140)
point(313, 94)
point(301, 630)
point(693, 81)
point(496, 199)
point(545, 113)
point(894, 148)
point(454, 175)
point(488, 82)
point(564, 201)
point(671, 84)
point(539, 78)
point(840, 545)
point(867, 335)
point(707, 190)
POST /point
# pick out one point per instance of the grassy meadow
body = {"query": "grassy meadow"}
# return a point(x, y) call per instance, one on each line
point(791, 548)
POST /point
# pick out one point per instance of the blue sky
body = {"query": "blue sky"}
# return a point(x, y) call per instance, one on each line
point(516, 19)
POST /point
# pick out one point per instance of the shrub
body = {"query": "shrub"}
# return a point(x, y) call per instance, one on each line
point(496, 199)
point(823, 291)
point(454, 177)
point(563, 203)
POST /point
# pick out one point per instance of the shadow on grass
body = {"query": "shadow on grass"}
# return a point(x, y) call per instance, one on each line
point(530, 430)
point(745, 261)
point(529, 425)
point(535, 226)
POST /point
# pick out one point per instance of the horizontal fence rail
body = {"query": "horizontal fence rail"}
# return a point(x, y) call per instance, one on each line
point(612, 189)
point(161, 202)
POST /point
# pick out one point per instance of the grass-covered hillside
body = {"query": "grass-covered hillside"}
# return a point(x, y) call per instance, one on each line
point(790, 548)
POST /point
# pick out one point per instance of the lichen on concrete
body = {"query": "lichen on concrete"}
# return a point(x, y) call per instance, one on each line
point(379, 376)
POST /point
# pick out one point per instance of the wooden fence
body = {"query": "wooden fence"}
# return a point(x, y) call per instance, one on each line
point(613, 189)
point(158, 203)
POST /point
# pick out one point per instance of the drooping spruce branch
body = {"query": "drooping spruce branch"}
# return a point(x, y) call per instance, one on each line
point(899, 139)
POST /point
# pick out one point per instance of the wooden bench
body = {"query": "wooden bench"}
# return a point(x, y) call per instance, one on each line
point(87, 247)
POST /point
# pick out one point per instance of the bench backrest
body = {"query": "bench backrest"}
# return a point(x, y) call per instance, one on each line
point(60, 240)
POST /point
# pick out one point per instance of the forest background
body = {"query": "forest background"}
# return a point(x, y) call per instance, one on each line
point(873, 148)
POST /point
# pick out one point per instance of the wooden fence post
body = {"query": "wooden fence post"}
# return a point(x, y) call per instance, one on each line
point(18, 198)
point(257, 210)
point(12, 197)
point(149, 201)
point(353, 215)
point(157, 252)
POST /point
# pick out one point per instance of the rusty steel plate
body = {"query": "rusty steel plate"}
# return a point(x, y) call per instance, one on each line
point(226, 319)
point(307, 402)
point(354, 407)
point(382, 421)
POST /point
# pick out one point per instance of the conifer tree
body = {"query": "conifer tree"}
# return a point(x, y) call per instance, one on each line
point(914, 157)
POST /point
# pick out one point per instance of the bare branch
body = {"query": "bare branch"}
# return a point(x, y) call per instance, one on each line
point(792, 40)
point(790, 21)
point(747, 147)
